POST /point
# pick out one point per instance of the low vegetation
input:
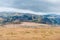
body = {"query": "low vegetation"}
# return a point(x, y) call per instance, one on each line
point(29, 33)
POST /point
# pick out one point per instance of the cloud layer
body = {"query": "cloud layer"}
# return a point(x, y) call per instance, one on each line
point(4, 9)
point(47, 6)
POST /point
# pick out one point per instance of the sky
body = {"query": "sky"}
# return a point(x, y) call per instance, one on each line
point(34, 6)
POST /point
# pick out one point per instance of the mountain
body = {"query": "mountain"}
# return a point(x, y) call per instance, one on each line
point(51, 19)
point(12, 17)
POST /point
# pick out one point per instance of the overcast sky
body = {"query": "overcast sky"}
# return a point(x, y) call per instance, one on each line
point(46, 6)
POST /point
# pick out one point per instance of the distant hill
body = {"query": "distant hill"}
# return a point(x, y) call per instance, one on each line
point(10, 17)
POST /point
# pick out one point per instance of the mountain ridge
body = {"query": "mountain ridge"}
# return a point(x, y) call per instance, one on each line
point(9, 17)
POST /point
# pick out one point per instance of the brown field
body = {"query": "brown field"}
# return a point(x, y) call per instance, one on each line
point(10, 32)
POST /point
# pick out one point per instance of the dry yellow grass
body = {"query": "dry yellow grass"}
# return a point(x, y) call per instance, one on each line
point(29, 33)
point(33, 31)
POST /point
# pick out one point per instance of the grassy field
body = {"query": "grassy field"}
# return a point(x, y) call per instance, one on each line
point(29, 33)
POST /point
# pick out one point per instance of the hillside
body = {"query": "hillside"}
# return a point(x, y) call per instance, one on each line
point(13, 17)
point(27, 25)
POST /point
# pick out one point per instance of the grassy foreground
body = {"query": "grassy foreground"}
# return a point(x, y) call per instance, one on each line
point(29, 33)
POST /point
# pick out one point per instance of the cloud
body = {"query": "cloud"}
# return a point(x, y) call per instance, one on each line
point(47, 6)
point(53, 1)
point(6, 2)
point(34, 5)
point(6, 9)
